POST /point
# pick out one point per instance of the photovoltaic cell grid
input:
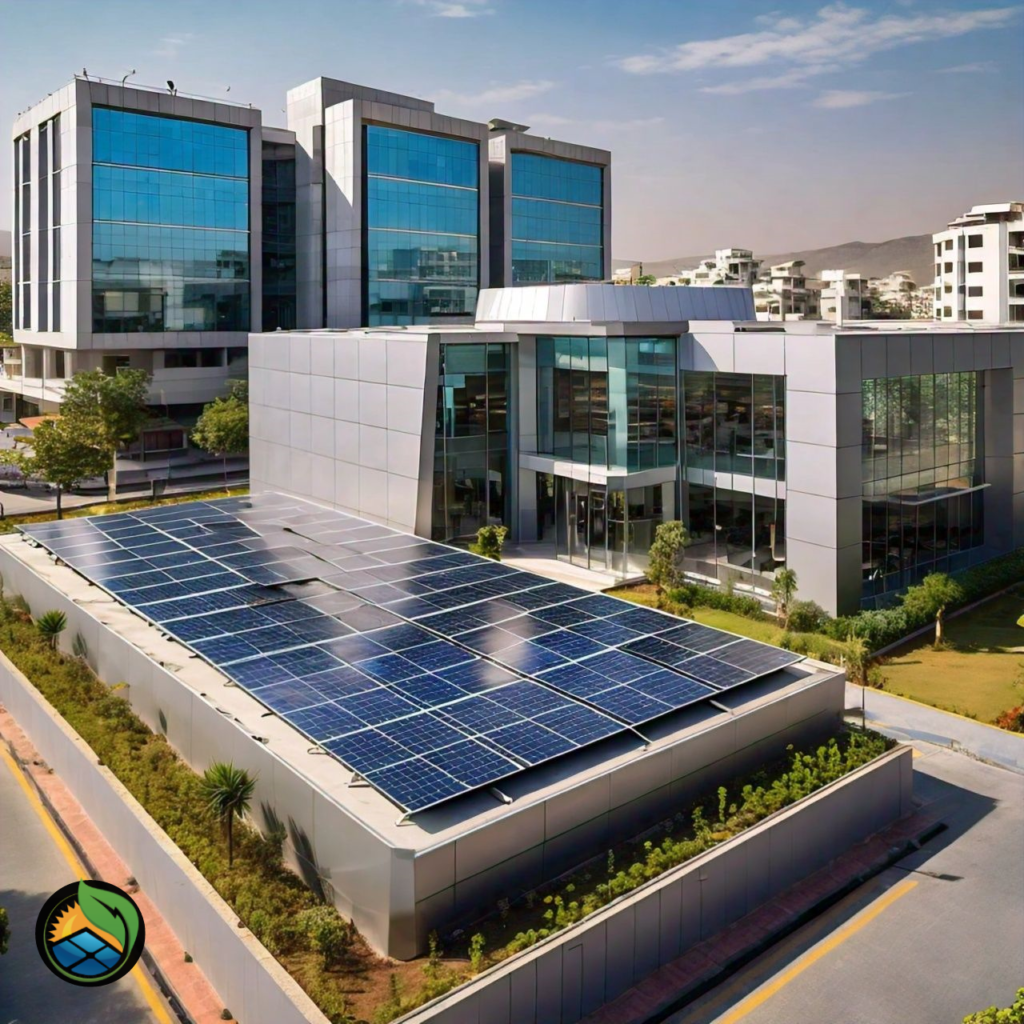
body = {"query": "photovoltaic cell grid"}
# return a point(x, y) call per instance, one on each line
point(427, 670)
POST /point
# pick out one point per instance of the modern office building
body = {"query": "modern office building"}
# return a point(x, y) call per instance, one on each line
point(155, 230)
point(979, 265)
point(582, 416)
point(137, 241)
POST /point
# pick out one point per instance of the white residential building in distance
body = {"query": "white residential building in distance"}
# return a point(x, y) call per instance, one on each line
point(845, 295)
point(979, 265)
point(728, 266)
point(781, 291)
point(898, 294)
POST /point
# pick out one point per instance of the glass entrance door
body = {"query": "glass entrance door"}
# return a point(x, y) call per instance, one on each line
point(583, 507)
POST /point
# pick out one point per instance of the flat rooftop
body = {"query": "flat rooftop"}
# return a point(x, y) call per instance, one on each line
point(417, 686)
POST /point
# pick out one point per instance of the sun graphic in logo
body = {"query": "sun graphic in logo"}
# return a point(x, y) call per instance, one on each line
point(90, 933)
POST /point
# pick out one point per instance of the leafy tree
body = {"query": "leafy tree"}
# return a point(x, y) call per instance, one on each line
point(6, 313)
point(223, 428)
point(647, 279)
point(329, 934)
point(227, 791)
point(5, 931)
point(1011, 1015)
point(50, 625)
point(489, 541)
point(783, 592)
point(930, 598)
point(109, 408)
point(665, 558)
point(63, 453)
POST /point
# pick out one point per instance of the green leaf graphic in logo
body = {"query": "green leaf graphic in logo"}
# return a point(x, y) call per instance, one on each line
point(110, 911)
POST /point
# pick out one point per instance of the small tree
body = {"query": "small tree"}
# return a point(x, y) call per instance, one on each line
point(227, 791)
point(647, 279)
point(783, 592)
point(489, 541)
point(111, 409)
point(50, 625)
point(329, 934)
point(5, 931)
point(665, 558)
point(223, 428)
point(64, 453)
point(930, 598)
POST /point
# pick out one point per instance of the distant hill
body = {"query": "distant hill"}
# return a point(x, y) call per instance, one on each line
point(5, 243)
point(874, 259)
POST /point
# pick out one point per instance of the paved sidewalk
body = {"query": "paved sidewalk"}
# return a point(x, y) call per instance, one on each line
point(186, 980)
point(907, 720)
point(705, 963)
point(540, 558)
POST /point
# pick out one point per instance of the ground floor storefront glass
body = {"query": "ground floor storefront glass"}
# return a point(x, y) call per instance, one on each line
point(735, 536)
point(601, 528)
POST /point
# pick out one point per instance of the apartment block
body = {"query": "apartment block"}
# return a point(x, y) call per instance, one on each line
point(979, 265)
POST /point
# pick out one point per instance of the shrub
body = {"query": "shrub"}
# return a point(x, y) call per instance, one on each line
point(693, 595)
point(1011, 1015)
point(476, 952)
point(806, 617)
point(489, 541)
point(329, 934)
point(5, 931)
point(783, 591)
point(1012, 719)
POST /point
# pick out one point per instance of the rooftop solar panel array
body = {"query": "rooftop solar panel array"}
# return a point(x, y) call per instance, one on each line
point(426, 670)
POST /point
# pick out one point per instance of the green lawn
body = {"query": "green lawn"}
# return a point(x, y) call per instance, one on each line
point(982, 672)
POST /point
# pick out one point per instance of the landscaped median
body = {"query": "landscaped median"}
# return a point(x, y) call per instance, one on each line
point(148, 804)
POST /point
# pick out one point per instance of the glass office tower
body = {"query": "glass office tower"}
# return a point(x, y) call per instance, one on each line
point(471, 440)
point(921, 465)
point(557, 214)
point(170, 224)
point(422, 227)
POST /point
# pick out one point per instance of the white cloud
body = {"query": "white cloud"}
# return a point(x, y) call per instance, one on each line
point(510, 93)
point(978, 67)
point(843, 99)
point(602, 124)
point(785, 80)
point(170, 46)
point(456, 8)
point(837, 36)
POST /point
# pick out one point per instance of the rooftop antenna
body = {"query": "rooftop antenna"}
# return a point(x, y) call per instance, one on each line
point(170, 88)
point(126, 77)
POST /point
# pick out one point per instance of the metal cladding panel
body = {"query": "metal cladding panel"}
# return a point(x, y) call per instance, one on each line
point(599, 303)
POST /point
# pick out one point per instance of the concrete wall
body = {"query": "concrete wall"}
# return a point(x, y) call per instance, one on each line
point(246, 977)
point(578, 970)
point(346, 421)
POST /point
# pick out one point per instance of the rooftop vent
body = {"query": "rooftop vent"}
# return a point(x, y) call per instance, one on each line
point(496, 124)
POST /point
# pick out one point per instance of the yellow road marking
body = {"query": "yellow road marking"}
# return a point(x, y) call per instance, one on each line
point(145, 986)
point(762, 995)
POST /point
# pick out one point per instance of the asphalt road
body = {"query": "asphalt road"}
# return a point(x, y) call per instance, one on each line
point(31, 868)
point(927, 942)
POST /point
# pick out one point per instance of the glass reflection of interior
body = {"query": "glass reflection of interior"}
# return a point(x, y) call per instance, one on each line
point(170, 224)
point(607, 401)
point(422, 226)
point(471, 440)
point(922, 488)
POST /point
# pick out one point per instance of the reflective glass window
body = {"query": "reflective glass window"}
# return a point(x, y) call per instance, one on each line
point(170, 224)
point(557, 220)
point(422, 227)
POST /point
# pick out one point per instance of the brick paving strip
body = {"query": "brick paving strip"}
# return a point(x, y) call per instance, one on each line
point(710, 962)
point(183, 984)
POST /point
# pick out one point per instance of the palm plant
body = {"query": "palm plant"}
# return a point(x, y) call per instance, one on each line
point(50, 625)
point(227, 791)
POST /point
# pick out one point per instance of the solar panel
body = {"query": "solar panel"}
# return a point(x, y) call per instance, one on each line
point(426, 670)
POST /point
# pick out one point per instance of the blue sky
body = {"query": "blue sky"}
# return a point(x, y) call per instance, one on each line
point(776, 125)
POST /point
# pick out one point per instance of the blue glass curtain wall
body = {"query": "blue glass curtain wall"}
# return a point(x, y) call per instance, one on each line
point(607, 401)
point(170, 224)
point(557, 220)
point(422, 226)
